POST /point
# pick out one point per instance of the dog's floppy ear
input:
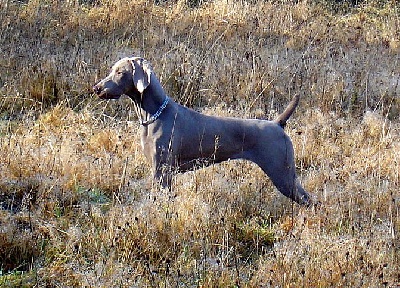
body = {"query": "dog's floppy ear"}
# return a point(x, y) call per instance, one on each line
point(141, 73)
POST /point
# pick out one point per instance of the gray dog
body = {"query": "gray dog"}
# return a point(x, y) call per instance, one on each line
point(176, 138)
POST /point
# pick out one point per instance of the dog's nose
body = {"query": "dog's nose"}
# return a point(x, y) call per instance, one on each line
point(97, 89)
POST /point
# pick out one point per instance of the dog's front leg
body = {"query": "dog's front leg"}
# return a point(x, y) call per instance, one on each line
point(164, 167)
point(163, 176)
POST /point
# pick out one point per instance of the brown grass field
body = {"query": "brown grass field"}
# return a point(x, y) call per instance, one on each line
point(76, 209)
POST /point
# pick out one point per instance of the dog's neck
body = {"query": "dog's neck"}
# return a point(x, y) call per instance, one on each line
point(150, 101)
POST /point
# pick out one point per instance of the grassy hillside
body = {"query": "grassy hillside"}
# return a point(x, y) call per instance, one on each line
point(76, 208)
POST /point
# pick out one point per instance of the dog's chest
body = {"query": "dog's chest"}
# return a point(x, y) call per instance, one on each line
point(147, 146)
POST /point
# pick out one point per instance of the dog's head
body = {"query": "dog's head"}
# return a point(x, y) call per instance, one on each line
point(130, 76)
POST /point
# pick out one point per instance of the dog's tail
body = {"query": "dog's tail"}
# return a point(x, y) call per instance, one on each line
point(284, 116)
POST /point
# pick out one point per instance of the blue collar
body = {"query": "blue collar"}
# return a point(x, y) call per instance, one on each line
point(155, 116)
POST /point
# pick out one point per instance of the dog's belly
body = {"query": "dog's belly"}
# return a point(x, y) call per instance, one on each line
point(193, 162)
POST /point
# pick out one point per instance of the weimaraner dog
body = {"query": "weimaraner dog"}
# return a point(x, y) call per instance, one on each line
point(176, 138)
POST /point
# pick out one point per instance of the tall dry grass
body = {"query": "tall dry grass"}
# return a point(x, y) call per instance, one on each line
point(75, 206)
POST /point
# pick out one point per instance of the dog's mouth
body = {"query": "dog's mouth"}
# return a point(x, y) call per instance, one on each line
point(105, 95)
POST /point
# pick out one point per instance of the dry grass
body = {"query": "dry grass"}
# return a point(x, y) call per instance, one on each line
point(75, 206)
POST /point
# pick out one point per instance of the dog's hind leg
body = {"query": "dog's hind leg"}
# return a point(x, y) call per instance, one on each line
point(278, 163)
